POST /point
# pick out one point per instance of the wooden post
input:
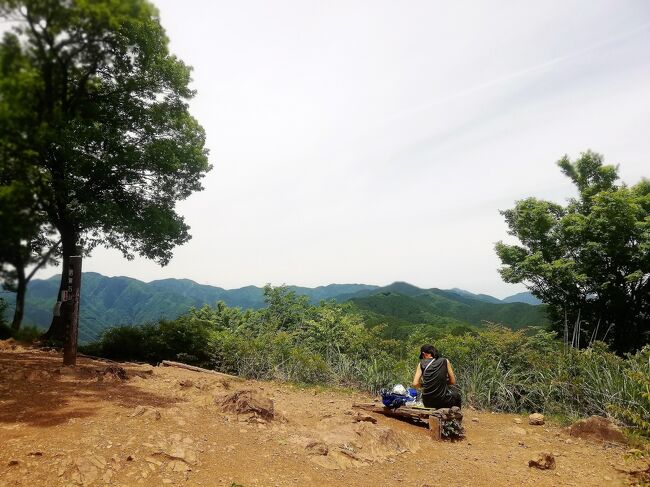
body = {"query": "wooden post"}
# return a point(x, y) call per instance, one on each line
point(435, 428)
point(71, 311)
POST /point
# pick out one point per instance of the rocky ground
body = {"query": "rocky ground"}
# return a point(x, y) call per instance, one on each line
point(123, 424)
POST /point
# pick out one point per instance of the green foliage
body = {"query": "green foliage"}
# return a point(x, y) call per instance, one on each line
point(329, 343)
point(103, 106)
point(27, 334)
point(637, 412)
point(505, 370)
point(3, 310)
point(290, 339)
point(94, 112)
point(588, 260)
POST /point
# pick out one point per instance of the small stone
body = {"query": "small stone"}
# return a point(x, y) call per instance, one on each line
point(474, 420)
point(317, 448)
point(536, 419)
point(545, 461)
point(178, 466)
point(13, 463)
point(359, 418)
point(87, 469)
point(108, 476)
point(517, 420)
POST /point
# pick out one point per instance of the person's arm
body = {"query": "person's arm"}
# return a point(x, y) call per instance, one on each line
point(450, 374)
point(417, 378)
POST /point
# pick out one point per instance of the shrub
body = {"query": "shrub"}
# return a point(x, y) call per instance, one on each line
point(497, 368)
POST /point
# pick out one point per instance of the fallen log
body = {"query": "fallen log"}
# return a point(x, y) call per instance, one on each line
point(445, 414)
point(180, 365)
point(436, 419)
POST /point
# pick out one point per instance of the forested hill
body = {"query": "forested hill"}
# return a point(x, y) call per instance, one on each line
point(403, 304)
point(109, 301)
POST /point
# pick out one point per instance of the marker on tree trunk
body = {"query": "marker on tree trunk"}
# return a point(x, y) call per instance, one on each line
point(70, 310)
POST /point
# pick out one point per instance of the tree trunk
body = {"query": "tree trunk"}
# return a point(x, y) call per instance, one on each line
point(20, 299)
point(56, 332)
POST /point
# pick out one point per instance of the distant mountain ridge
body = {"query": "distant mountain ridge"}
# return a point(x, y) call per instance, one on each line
point(111, 301)
point(401, 304)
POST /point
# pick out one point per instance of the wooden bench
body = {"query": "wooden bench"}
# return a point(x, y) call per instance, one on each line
point(434, 418)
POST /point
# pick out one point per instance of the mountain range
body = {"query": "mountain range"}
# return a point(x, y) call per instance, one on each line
point(110, 301)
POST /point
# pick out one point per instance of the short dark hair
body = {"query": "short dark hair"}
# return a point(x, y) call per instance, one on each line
point(429, 349)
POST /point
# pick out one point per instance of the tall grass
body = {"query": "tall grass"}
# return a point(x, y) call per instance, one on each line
point(497, 368)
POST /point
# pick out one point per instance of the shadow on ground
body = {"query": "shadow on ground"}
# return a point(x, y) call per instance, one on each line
point(36, 390)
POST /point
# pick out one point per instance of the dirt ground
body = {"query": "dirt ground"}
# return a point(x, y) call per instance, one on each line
point(169, 426)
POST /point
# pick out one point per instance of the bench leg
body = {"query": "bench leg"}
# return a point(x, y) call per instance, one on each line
point(435, 428)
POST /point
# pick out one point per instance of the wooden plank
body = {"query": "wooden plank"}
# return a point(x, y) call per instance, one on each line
point(169, 363)
point(435, 428)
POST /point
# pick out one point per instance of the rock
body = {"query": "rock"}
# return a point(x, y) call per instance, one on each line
point(186, 383)
point(98, 461)
point(146, 412)
point(13, 463)
point(178, 466)
point(114, 372)
point(474, 420)
point(545, 461)
point(87, 471)
point(536, 419)
point(247, 402)
point(364, 418)
point(317, 448)
point(597, 428)
point(107, 477)
point(9, 344)
point(517, 420)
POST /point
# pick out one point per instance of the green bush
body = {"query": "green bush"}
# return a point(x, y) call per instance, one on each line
point(329, 343)
point(27, 334)
point(5, 332)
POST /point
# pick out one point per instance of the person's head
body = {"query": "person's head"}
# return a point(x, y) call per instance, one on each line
point(428, 351)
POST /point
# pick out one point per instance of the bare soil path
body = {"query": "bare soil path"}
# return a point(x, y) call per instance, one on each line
point(168, 426)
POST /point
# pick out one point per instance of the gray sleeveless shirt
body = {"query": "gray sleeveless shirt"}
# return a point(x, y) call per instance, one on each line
point(434, 378)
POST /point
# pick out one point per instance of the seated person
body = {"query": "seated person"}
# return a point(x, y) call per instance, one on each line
point(434, 374)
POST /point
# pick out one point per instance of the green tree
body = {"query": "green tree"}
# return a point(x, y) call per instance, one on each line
point(26, 238)
point(101, 108)
point(24, 243)
point(588, 260)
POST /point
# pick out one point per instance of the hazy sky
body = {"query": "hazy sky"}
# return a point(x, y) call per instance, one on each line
point(374, 141)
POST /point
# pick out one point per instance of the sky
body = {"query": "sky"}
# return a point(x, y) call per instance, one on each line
point(376, 141)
